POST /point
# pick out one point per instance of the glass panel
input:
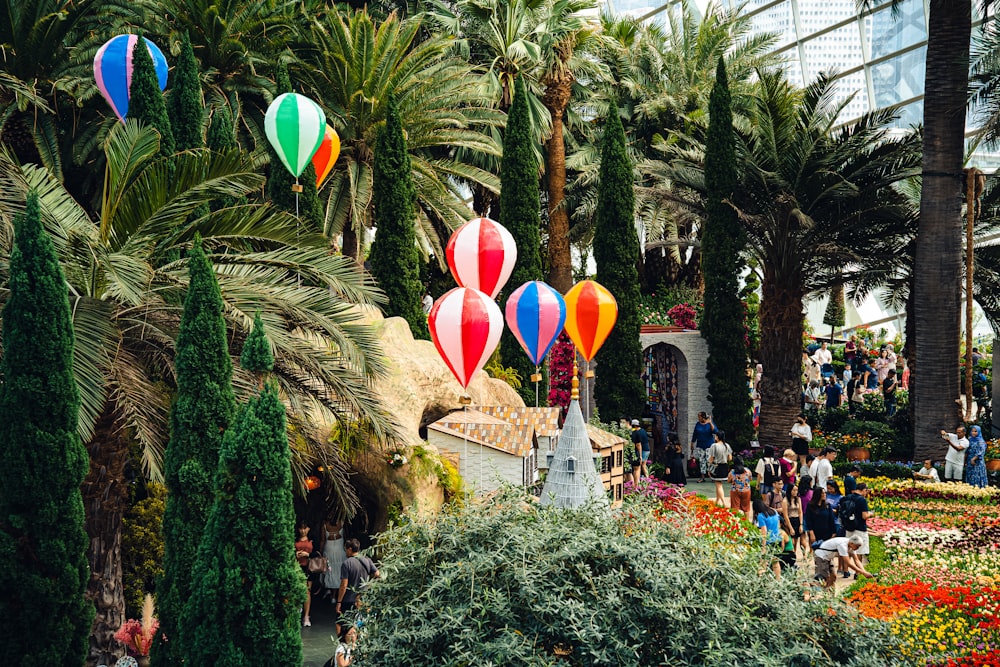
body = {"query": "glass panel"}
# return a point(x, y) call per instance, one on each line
point(899, 78)
point(887, 33)
point(777, 20)
point(792, 66)
point(635, 8)
point(910, 115)
point(838, 51)
point(845, 86)
point(814, 15)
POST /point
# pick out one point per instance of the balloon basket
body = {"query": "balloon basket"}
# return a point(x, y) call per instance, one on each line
point(588, 374)
point(465, 399)
point(296, 188)
point(536, 377)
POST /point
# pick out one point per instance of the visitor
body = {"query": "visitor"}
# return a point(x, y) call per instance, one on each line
point(976, 356)
point(851, 351)
point(801, 436)
point(820, 518)
point(810, 368)
point(788, 467)
point(823, 355)
point(882, 366)
point(927, 473)
point(857, 397)
point(889, 386)
point(854, 515)
point(719, 456)
point(768, 471)
point(804, 468)
point(675, 463)
point(954, 460)
point(348, 638)
point(354, 576)
point(641, 440)
point(975, 473)
point(811, 398)
point(851, 479)
point(427, 302)
point(805, 494)
point(768, 521)
point(739, 492)
point(871, 378)
point(701, 440)
point(846, 548)
point(834, 394)
point(786, 557)
point(821, 469)
point(904, 381)
point(303, 550)
point(890, 355)
point(333, 548)
point(793, 511)
point(832, 498)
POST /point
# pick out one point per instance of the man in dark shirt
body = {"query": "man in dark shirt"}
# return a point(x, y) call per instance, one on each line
point(833, 394)
point(889, 393)
point(641, 440)
point(354, 576)
point(851, 480)
point(857, 522)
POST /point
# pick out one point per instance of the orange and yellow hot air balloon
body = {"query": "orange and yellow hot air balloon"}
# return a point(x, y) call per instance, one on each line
point(326, 156)
point(591, 312)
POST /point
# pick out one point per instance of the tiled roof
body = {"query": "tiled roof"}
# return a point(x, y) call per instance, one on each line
point(484, 429)
point(545, 420)
point(599, 439)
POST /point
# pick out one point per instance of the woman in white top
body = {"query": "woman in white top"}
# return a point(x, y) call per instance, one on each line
point(801, 437)
point(719, 456)
point(348, 637)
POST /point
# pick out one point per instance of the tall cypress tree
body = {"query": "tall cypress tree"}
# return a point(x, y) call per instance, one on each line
point(43, 543)
point(203, 409)
point(520, 214)
point(279, 181)
point(146, 101)
point(184, 104)
point(394, 258)
point(620, 391)
point(248, 588)
point(836, 312)
point(722, 239)
point(221, 138)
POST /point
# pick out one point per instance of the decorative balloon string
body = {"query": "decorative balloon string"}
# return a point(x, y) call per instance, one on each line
point(536, 377)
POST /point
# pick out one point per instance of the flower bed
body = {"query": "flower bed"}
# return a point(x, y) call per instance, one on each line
point(940, 586)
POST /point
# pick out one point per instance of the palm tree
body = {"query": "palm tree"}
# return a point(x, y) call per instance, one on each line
point(812, 200)
point(127, 280)
point(564, 33)
point(41, 72)
point(661, 79)
point(351, 68)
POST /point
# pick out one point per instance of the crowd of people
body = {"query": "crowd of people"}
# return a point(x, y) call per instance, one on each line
point(864, 373)
point(336, 573)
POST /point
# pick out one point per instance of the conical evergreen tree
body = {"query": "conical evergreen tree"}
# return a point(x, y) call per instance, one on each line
point(43, 544)
point(184, 105)
point(836, 312)
point(520, 213)
point(394, 257)
point(221, 138)
point(202, 411)
point(722, 239)
point(146, 101)
point(280, 182)
point(248, 588)
point(619, 391)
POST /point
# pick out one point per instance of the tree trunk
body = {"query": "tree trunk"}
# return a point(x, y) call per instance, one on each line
point(350, 247)
point(556, 99)
point(970, 245)
point(938, 258)
point(781, 357)
point(105, 499)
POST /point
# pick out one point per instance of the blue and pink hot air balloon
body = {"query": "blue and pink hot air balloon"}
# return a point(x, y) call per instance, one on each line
point(113, 70)
point(536, 314)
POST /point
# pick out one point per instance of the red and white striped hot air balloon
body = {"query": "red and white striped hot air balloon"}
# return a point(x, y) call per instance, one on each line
point(481, 255)
point(465, 326)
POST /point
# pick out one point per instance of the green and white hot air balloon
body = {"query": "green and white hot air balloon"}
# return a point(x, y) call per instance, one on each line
point(295, 126)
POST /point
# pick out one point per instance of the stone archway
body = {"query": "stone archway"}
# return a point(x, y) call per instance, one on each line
point(665, 374)
point(689, 352)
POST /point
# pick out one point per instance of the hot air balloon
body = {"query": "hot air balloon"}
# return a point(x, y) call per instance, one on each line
point(481, 255)
point(465, 326)
point(326, 156)
point(591, 312)
point(295, 126)
point(536, 314)
point(113, 70)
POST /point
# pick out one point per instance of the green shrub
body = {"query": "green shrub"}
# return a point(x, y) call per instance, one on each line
point(142, 548)
point(879, 469)
point(509, 582)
